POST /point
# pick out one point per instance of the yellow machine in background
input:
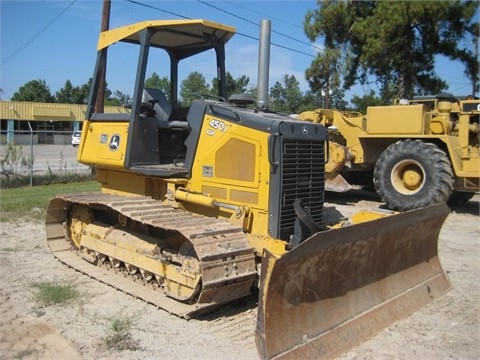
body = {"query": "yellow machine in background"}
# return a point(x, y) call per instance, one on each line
point(421, 153)
point(203, 202)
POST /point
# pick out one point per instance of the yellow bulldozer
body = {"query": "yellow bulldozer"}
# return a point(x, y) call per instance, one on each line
point(414, 153)
point(204, 202)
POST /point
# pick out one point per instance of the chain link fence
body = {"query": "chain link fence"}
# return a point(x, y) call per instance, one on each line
point(29, 158)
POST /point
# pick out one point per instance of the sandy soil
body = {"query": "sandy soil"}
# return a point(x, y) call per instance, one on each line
point(447, 328)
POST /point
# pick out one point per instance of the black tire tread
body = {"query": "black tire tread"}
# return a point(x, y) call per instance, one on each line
point(440, 180)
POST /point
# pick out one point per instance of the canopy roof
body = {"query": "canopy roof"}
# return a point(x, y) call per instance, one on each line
point(178, 36)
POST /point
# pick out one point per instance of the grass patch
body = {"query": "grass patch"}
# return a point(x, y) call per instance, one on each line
point(49, 293)
point(32, 201)
point(119, 336)
point(19, 180)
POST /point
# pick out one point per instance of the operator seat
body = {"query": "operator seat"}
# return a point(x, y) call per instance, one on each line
point(159, 102)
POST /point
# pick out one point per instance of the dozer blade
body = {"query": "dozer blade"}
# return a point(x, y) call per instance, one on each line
point(340, 287)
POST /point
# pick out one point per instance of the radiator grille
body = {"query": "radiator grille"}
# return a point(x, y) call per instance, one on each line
point(302, 178)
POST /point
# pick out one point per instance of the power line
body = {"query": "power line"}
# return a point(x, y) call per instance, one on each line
point(262, 14)
point(36, 35)
point(278, 45)
point(155, 8)
point(254, 23)
point(226, 12)
point(238, 33)
point(460, 88)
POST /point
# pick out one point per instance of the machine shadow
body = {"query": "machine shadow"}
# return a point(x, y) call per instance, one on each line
point(236, 307)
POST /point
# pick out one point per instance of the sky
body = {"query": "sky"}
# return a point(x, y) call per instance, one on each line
point(56, 41)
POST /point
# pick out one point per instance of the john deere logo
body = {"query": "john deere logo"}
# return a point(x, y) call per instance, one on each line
point(304, 130)
point(114, 142)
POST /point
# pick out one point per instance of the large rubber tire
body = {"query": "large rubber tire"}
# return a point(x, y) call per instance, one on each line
point(412, 174)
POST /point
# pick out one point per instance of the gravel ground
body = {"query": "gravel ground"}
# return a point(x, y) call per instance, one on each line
point(447, 328)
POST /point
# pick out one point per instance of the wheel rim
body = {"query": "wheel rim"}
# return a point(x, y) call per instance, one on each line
point(408, 177)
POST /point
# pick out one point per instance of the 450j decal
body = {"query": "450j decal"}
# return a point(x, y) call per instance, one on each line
point(218, 125)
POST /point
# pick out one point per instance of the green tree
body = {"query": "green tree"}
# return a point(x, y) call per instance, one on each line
point(394, 40)
point(193, 86)
point(112, 101)
point(157, 82)
point(311, 101)
point(107, 95)
point(286, 97)
point(34, 90)
point(85, 89)
point(324, 75)
point(252, 90)
point(314, 100)
point(123, 99)
point(472, 70)
point(70, 94)
point(361, 104)
point(234, 86)
point(337, 99)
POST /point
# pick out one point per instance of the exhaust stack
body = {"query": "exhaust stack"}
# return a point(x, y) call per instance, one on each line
point(263, 64)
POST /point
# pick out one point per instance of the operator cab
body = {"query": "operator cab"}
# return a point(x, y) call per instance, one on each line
point(161, 136)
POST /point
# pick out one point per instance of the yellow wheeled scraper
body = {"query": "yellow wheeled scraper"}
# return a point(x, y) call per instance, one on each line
point(201, 202)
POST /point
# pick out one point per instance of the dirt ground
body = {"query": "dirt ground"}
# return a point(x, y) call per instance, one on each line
point(447, 328)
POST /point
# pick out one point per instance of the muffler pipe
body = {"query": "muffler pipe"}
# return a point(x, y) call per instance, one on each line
point(263, 64)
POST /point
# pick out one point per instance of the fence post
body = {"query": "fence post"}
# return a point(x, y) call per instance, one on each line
point(31, 154)
point(10, 131)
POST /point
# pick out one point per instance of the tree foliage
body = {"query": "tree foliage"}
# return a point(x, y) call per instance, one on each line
point(323, 75)
point(286, 97)
point(38, 91)
point(395, 41)
point(336, 99)
point(157, 82)
point(34, 90)
point(193, 86)
point(70, 94)
point(123, 99)
point(234, 86)
point(361, 104)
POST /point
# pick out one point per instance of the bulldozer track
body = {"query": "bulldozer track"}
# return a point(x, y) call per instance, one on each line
point(227, 262)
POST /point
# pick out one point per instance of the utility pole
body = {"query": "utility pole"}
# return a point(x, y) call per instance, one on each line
point(99, 104)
